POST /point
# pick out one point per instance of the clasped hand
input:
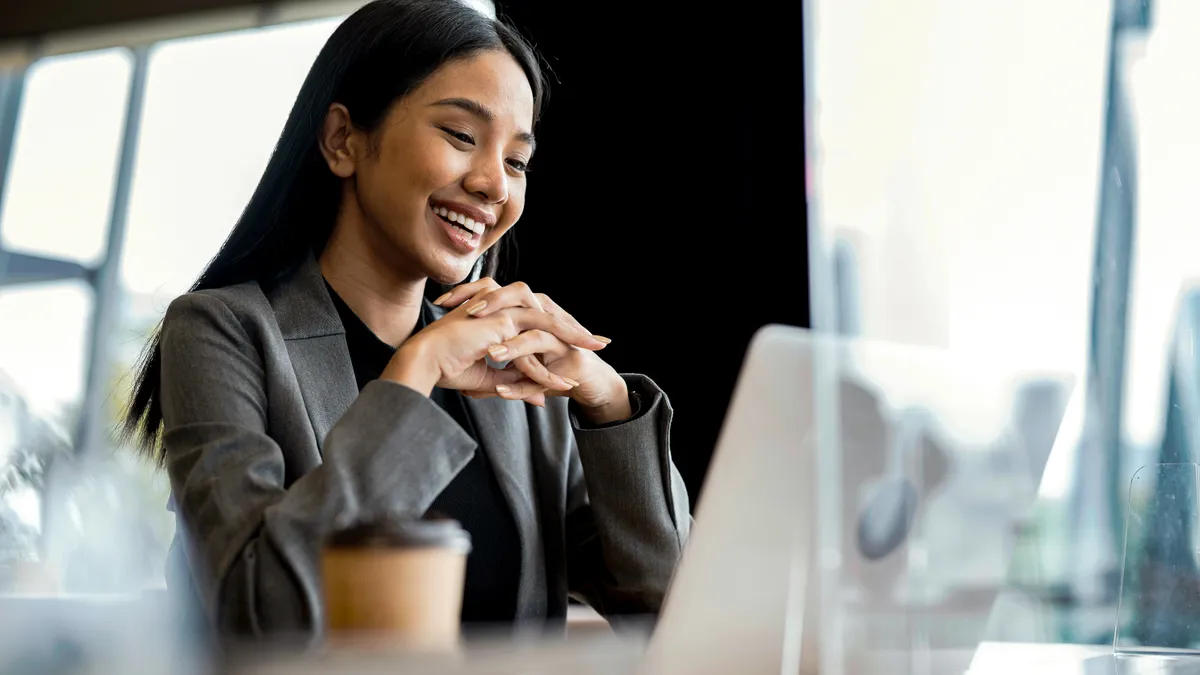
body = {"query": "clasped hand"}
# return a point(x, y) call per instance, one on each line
point(551, 353)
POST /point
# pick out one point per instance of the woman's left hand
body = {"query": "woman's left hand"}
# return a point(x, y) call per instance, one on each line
point(599, 391)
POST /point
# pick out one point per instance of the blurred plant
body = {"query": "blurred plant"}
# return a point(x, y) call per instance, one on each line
point(18, 541)
point(28, 463)
point(29, 447)
point(100, 512)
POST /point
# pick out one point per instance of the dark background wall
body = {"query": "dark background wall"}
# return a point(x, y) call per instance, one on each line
point(667, 204)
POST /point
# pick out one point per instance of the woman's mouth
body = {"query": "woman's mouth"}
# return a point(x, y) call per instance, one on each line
point(459, 220)
point(464, 232)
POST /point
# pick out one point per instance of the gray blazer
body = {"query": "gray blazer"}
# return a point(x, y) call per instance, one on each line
point(270, 445)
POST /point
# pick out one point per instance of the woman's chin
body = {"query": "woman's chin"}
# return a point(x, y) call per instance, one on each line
point(452, 275)
point(448, 267)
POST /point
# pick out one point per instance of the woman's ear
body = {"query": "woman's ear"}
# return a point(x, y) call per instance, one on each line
point(338, 141)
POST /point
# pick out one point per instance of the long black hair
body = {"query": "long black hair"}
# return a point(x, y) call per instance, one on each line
point(376, 56)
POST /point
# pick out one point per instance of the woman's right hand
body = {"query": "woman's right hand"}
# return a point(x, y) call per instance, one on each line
point(450, 352)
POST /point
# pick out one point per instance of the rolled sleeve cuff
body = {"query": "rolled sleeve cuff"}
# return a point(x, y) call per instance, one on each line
point(641, 391)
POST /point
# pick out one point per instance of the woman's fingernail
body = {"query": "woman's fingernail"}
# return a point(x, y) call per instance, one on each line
point(497, 351)
point(569, 381)
point(477, 307)
point(443, 298)
point(503, 389)
point(601, 338)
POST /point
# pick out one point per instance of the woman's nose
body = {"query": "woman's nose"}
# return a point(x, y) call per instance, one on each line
point(488, 180)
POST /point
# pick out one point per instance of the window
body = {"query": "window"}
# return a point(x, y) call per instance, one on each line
point(57, 204)
point(213, 109)
point(60, 184)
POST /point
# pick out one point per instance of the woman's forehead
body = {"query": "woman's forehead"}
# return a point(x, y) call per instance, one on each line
point(493, 79)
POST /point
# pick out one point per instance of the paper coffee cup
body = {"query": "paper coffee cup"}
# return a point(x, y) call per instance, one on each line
point(396, 582)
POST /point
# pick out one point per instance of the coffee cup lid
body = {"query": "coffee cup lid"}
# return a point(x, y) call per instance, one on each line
point(429, 532)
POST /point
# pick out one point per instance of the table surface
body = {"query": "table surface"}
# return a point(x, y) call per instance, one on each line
point(991, 658)
point(595, 649)
point(995, 658)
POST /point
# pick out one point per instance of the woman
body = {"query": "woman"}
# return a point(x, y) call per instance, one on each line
point(306, 384)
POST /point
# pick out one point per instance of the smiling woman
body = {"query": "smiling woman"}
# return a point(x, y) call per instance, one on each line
point(306, 384)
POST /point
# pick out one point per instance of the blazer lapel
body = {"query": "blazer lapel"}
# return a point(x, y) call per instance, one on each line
point(326, 378)
point(503, 431)
point(316, 343)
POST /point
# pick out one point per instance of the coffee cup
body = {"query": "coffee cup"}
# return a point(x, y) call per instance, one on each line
point(396, 581)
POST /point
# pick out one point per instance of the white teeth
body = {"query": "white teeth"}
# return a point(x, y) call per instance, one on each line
point(466, 223)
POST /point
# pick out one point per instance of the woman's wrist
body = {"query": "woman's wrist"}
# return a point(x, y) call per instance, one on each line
point(613, 408)
point(411, 368)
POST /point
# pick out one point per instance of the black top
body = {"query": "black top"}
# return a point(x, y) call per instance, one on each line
point(473, 497)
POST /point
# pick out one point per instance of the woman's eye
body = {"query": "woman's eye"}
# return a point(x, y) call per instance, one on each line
point(460, 136)
point(518, 165)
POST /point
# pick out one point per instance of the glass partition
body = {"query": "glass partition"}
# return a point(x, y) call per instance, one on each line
point(928, 472)
point(1014, 181)
point(1159, 612)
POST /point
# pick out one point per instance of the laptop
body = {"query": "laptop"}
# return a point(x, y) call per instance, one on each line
point(763, 589)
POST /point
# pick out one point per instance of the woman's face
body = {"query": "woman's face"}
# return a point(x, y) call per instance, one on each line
point(443, 177)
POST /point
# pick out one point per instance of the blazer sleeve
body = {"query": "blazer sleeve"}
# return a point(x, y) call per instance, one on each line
point(252, 542)
point(627, 509)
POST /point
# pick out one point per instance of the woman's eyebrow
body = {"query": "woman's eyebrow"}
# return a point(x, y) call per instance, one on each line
point(482, 112)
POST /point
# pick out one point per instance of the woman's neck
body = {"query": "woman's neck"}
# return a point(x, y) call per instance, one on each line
point(387, 300)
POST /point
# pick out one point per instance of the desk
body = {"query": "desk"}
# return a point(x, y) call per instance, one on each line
point(1006, 658)
point(114, 634)
point(614, 657)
